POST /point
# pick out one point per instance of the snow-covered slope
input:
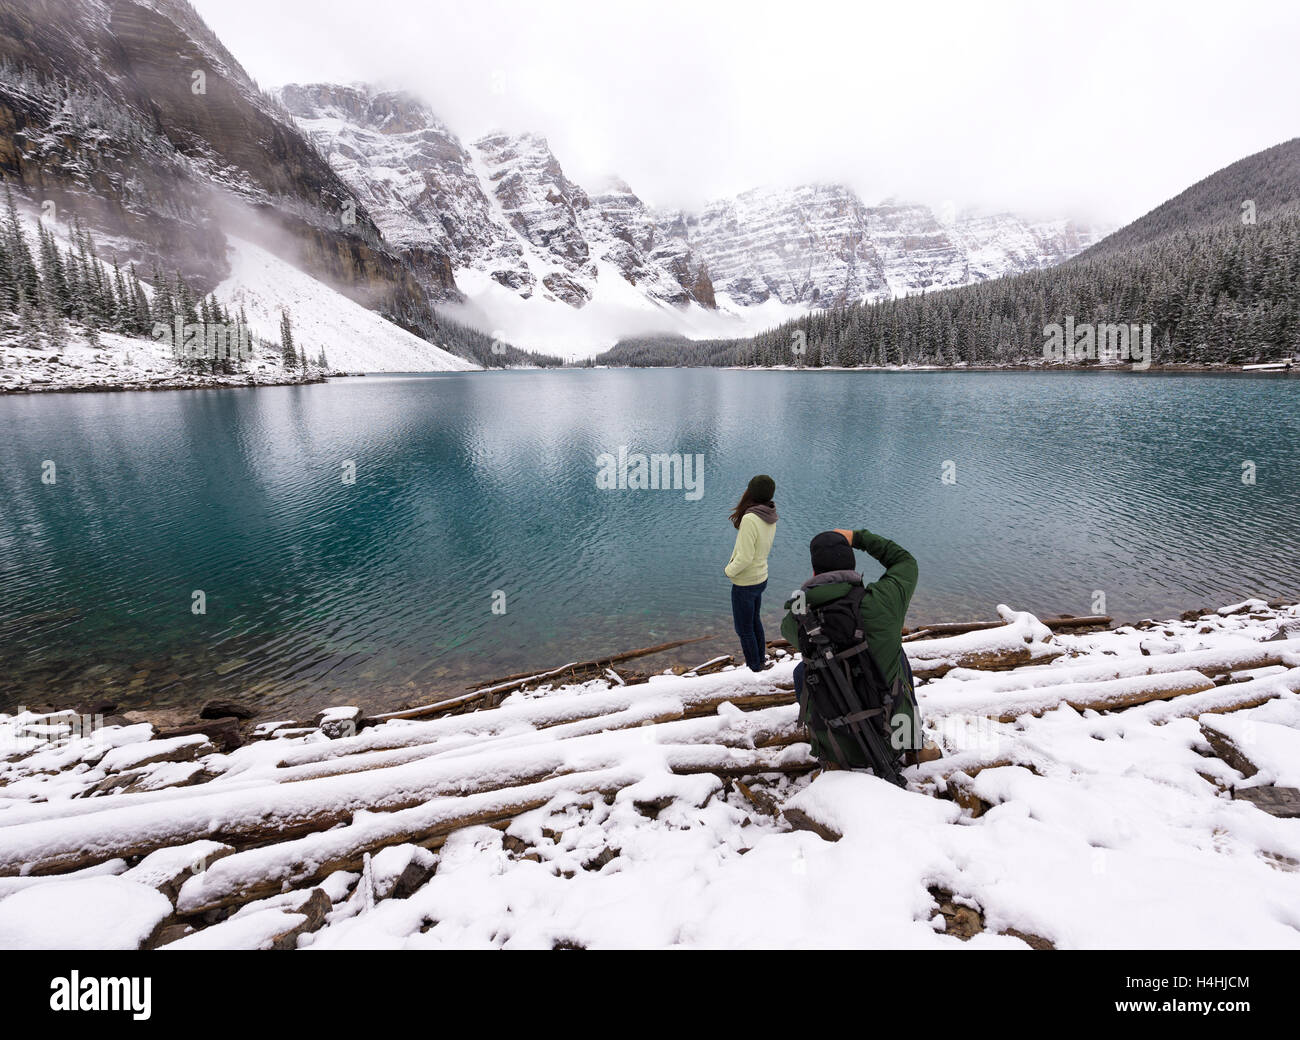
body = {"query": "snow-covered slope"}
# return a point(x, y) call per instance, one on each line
point(353, 338)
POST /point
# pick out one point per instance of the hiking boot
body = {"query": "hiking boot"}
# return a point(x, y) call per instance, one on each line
point(928, 753)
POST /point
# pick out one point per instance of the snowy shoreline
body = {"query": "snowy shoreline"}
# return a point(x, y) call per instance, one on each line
point(1119, 788)
point(1028, 366)
point(115, 383)
point(117, 363)
point(195, 382)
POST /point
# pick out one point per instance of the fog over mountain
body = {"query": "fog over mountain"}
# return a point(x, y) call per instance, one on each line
point(499, 178)
point(1096, 113)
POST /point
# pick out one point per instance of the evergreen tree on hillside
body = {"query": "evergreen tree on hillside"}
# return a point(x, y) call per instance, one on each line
point(287, 352)
point(25, 274)
point(82, 310)
point(141, 318)
point(8, 285)
point(124, 312)
point(185, 302)
point(164, 303)
point(55, 292)
point(28, 330)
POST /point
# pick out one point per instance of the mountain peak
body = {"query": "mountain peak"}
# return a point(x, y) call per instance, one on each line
point(385, 111)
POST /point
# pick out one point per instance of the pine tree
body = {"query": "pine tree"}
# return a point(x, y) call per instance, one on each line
point(25, 274)
point(287, 352)
point(185, 302)
point(29, 335)
point(124, 312)
point(8, 284)
point(54, 283)
point(142, 318)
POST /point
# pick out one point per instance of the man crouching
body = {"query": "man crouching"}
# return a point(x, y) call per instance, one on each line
point(854, 685)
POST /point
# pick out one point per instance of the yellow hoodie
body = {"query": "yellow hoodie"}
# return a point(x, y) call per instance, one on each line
point(748, 563)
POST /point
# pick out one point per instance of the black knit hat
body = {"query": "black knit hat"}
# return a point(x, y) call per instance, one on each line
point(831, 552)
point(762, 488)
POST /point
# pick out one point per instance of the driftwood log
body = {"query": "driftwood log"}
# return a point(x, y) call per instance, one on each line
point(488, 694)
point(264, 871)
point(137, 826)
point(1056, 624)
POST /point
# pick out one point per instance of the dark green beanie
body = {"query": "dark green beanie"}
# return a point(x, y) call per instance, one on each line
point(762, 488)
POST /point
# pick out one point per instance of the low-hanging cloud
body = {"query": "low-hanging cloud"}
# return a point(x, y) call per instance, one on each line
point(1100, 111)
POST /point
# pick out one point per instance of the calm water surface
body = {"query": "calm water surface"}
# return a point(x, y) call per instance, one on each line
point(381, 592)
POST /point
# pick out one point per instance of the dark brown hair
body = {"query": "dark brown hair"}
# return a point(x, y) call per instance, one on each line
point(742, 507)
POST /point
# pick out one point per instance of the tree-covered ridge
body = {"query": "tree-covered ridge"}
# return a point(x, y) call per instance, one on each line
point(1227, 293)
point(1254, 186)
point(478, 347)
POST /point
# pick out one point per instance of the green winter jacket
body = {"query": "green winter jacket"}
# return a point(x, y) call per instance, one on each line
point(884, 606)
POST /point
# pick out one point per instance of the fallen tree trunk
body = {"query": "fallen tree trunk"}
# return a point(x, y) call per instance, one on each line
point(1021, 639)
point(541, 713)
point(250, 815)
point(1056, 624)
point(265, 871)
point(1224, 699)
point(1207, 662)
point(426, 711)
point(594, 663)
point(1002, 660)
point(1111, 695)
point(486, 693)
point(760, 728)
point(1228, 749)
point(715, 664)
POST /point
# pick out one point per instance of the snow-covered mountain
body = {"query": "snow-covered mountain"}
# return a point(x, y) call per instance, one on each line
point(474, 245)
point(503, 207)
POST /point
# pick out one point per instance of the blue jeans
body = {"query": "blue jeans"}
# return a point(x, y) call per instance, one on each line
point(746, 611)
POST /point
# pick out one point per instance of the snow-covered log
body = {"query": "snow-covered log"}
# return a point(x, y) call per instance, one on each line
point(1022, 639)
point(973, 699)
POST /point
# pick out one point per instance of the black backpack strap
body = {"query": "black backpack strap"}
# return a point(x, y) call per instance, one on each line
point(852, 651)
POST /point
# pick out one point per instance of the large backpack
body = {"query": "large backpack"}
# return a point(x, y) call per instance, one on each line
point(846, 704)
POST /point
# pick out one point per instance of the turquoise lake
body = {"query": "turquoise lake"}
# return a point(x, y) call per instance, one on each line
point(479, 490)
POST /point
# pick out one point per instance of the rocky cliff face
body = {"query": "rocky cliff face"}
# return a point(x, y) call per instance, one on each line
point(501, 205)
point(808, 245)
point(504, 206)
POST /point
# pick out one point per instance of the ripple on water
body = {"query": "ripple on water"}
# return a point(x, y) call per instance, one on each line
point(381, 591)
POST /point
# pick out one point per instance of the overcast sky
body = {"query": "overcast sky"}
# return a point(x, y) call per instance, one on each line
point(1102, 109)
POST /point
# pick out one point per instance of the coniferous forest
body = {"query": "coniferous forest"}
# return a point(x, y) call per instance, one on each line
point(1223, 293)
point(47, 294)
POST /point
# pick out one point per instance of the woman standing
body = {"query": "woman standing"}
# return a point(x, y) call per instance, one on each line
point(755, 521)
